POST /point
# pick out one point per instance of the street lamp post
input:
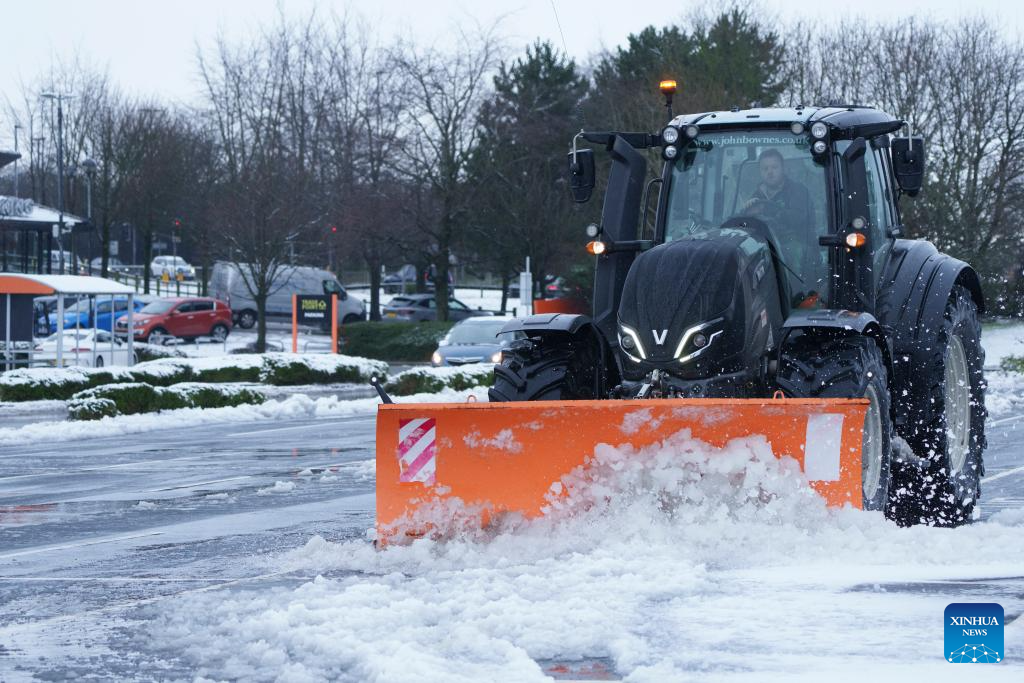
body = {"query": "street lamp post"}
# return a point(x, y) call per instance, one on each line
point(60, 97)
point(17, 127)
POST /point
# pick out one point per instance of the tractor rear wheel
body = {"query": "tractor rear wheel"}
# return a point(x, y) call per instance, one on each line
point(950, 436)
point(548, 367)
point(815, 366)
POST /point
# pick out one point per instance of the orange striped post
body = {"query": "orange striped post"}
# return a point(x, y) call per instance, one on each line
point(295, 323)
point(334, 323)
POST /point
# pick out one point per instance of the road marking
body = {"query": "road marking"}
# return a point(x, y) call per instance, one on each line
point(134, 579)
point(286, 429)
point(993, 423)
point(114, 539)
point(199, 483)
point(1000, 475)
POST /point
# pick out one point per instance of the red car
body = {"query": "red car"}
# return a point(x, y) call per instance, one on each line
point(186, 318)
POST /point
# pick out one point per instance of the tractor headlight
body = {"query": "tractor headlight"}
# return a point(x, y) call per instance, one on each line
point(697, 340)
point(670, 135)
point(797, 128)
point(629, 340)
point(692, 131)
point(819, 130)
point(496, 357)
point(671, 152)
point(819, 147)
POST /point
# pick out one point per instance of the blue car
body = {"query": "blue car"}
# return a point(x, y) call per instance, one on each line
point(84, 310)
point(474, 340)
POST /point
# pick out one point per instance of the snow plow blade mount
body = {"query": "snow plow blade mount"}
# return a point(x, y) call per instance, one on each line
point(504, 457)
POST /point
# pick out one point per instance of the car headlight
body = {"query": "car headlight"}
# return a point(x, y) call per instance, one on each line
point(496, 357)
point(436, 359)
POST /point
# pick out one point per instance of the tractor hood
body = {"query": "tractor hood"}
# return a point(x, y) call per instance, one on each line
point(699, 306)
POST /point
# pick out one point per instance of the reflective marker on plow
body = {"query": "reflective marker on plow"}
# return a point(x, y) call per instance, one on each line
point(821, 454)
point(417, 450)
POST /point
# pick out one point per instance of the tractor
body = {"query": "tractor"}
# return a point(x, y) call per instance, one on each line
point(768, 259)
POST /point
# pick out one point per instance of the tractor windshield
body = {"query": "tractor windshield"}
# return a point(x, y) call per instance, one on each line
point(767, 175)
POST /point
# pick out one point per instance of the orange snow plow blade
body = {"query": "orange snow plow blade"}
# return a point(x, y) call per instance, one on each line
point(504, 457)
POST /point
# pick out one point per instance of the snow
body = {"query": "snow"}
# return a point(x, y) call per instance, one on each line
point(293, 407)
point(1005, 393)
point(680, 561)
point(1001, 340)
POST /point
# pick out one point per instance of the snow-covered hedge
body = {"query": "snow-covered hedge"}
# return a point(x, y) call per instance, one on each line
point(281, 369)
point(430, 380)
point(1013, 363)
point(129, 398)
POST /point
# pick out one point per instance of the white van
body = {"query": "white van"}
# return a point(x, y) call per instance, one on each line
point(227, 284)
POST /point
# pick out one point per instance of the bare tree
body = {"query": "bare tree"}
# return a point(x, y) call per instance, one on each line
point(446, 93)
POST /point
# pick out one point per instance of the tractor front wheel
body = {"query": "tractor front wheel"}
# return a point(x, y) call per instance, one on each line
point(549, 367)
point(817, 366)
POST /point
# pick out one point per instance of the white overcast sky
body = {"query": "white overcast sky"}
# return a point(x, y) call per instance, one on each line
point(149, 47)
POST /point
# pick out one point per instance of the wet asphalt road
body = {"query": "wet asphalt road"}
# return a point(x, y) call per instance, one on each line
point(96, 533)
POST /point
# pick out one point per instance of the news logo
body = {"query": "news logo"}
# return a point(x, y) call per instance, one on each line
point(974, 633)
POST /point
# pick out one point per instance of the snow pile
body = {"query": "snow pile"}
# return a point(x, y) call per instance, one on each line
point(419, 380)
point(1005, 393)
point(673, 562)
point(293, 407)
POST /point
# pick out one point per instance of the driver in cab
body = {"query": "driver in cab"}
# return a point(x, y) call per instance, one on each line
point(779, 198)
point(786, 205)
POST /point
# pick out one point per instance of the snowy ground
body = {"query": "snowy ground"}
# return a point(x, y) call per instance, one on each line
point(233, 545)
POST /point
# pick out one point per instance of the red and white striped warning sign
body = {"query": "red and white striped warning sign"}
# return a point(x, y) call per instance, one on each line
point(417, 450)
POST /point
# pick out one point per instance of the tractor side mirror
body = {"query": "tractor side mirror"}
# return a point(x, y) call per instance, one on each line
point(581, 174)
point(908, 163)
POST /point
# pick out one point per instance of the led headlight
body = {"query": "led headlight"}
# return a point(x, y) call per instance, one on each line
point(670, 135)
point(629, 340)
point(701, 340)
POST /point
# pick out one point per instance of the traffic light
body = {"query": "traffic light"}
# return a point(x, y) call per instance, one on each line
point(334, 229)
point(177, 224)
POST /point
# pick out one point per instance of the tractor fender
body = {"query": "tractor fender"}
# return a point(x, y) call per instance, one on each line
point(546, 323)
point(849, 322)
point(911, 304)
point(570, 325)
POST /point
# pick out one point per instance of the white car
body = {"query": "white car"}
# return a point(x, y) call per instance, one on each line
point(82, 348)
point(172, 265)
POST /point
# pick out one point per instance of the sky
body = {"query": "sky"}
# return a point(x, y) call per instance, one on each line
point(149, 48)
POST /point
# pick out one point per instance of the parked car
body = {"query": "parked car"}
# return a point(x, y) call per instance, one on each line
point(85, 310)
point(85, 348)
point(114, 265)
point(474, 340)
point(186, 318)
point(227, 284)
point(171, 266)
point(422, 307)
point(401, 280)
point(71, 266)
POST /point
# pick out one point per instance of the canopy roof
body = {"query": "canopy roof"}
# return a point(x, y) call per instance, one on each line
point(24, 212)
point(22, 283)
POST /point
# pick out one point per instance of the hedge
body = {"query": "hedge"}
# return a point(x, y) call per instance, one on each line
point(130, 398)
point(404, 342)
point(272, 368)
point(432, 380)
point(1013, 363)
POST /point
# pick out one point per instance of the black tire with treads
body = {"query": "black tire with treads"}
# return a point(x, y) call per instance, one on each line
point(939, 494)
point(821, 366)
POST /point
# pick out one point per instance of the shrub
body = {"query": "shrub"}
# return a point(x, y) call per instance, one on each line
point(1013, 363)
point(288, 370)
point(146, 352)
point(130, 398)
point(411, 342)
point(432, 380)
